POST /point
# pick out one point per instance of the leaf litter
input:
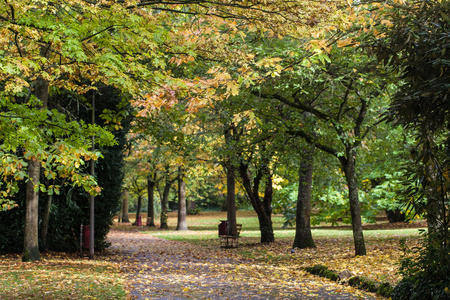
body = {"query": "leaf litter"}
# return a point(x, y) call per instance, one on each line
point(162, 269)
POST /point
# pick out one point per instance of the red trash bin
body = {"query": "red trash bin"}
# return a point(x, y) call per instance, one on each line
point(139, 221)
point(223, 227)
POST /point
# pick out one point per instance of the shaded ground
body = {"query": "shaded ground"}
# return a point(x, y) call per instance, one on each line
point(162, 269)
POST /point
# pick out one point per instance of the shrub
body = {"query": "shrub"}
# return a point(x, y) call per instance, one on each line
point(425, 270)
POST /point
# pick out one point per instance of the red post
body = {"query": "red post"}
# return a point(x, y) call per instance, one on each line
point(86, 236)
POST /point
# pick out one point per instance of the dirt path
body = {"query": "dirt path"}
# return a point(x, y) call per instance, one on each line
point(161, 269)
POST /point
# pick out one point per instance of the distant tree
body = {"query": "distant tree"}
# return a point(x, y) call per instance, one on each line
point(182, 222)
point(125, 203)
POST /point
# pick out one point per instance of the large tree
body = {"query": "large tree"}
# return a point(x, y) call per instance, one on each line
point(337, 105)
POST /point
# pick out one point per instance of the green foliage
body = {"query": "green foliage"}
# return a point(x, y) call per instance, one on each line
point(285, 202)
point(70, 205)
point(385, 289)
point(425, 270)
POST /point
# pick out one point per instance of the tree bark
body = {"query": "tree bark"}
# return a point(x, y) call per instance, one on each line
point(138, 209)
point(165, 203)
point(182, 222)
point(262, 208)
point(231, 184)
point(31, 235)
point(265, 223)
point(125, 217)
point(349, 167)
point(231, 199)
point(45, 221)
point(435, 208)
point(30, 244)
point(151, 202)
point(303, 237)
point(191, 207)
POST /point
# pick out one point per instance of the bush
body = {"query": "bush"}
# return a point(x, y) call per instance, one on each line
point(425, 270)
point(385, 289)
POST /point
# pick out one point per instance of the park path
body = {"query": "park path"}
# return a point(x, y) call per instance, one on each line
point(160, 269)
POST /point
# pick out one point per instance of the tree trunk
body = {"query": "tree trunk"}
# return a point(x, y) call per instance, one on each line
point(165, 204)
point(31, 235)
point(231, 184)
point(231, 200)
point(395, 215)
point(30, 244)
point(138, 209)
point(182, 222)
point(262, 208)
point(303, 237)
point(125, 217)
point(151, 202)
point(191, 207)
point(435, 212)
point(349, 167)
point(266, 229)
point(265, 223)
point(45, 221)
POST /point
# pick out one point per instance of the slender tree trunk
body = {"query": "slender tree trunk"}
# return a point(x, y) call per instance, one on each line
point(231, 185)
point(182, 222)
point(434, 207)
point(125, 217)
point(45, 221)
point(30, 245)
point(165, 204)
point(151, 202)
point(349, 167)
point(303, 237)
point(231, 200)
point(138, 209)
point(92, 197)
point(191, 205)
point(265, 221)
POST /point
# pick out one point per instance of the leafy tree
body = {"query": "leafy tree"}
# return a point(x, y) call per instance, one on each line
point(416, 42)
point(339, 103)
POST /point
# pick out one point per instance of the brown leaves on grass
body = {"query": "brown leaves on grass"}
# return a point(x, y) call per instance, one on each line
point(59, 276)
point(380, 263)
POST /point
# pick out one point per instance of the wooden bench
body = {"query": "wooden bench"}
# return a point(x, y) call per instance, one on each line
point(231, 241)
